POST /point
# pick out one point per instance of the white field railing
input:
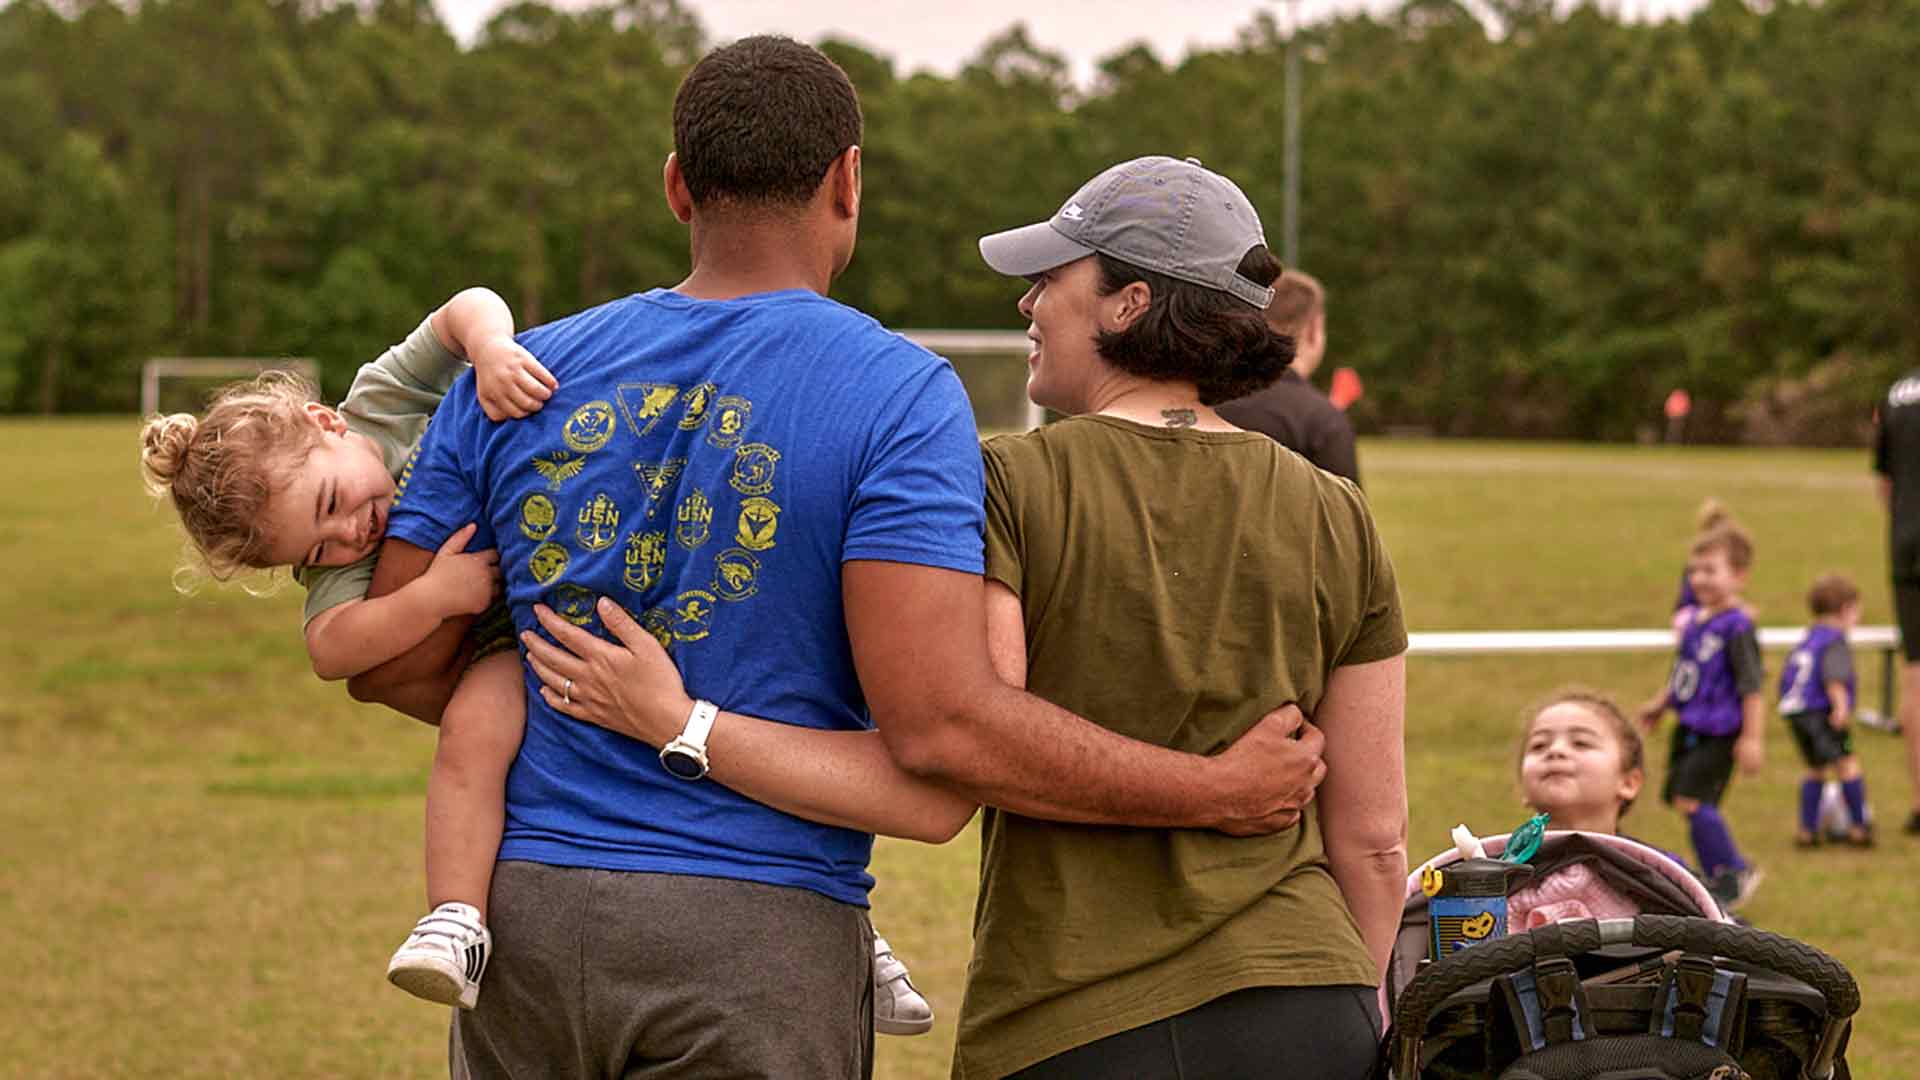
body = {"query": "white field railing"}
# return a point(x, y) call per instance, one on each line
point(1882, 639)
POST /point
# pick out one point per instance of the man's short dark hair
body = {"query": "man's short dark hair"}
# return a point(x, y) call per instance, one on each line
point(1218, 342)
point(761, 120)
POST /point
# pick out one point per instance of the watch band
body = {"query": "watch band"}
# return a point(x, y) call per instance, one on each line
point(699, 725)
point(686, 756)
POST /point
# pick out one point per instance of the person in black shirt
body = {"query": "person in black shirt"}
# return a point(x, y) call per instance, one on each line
point(1291, 411)
point(1896, 457)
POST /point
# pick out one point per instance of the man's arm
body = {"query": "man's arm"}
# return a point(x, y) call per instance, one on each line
point(920, 647)
point(1363, 801)
point(419, 681)
point(1337, 452)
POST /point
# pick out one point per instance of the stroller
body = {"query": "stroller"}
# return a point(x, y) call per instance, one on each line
point(1659, 985)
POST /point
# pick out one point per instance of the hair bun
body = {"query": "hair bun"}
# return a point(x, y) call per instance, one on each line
point(164, 443)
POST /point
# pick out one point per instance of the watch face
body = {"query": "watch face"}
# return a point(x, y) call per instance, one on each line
point(682, 764)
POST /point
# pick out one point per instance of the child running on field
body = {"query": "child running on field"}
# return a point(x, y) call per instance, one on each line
point(269, 477)
point(1715, 689)
point(1817, 699)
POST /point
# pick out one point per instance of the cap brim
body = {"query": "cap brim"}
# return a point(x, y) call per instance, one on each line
point(1030, 249)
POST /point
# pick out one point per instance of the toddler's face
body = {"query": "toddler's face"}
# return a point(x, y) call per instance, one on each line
point(1572, 767)
point(333, 508)
point(1713, 577)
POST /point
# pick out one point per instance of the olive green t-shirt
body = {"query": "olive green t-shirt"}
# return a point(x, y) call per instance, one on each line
point(1177, 585)
point(390, 402)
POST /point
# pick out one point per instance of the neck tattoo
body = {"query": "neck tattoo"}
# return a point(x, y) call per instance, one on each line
point(1178, 418)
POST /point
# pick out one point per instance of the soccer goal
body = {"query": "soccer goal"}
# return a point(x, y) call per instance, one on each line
point(183, 383)
point(992, 365)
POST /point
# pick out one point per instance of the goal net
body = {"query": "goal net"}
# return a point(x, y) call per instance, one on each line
point(184, 383)
point(992, 365)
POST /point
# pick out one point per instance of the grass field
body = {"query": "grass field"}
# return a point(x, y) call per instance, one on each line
point(206, 855)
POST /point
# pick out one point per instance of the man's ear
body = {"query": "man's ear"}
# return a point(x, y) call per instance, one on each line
point(843, 178)
point(324, 418)
point(1317, 328)
point(679, 198)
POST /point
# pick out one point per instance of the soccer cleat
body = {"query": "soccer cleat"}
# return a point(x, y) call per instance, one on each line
point(1733, 888)
point(444, 957)
point(898, 1009)
point(1913, 823)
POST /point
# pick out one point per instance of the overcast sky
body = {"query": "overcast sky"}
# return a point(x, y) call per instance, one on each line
point(940, 36)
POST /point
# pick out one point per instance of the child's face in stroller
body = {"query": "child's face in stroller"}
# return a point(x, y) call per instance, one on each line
point(1573, 767)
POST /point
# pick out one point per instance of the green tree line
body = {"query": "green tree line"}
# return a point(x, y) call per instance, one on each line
point(1531, 219)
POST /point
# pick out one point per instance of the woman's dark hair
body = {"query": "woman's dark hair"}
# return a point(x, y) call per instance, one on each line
point(1191, 333)
point(761, 120)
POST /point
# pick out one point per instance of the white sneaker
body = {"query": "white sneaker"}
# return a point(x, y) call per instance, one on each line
point(898, 1009)
point(444, 957)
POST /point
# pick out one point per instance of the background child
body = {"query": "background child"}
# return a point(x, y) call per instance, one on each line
point(1712, 515)
point(1715, 688)
point(1581, 761)
point(271, 478)
point(1817, 700)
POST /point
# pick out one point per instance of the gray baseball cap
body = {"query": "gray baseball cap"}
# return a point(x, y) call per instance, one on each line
point(1157, 213)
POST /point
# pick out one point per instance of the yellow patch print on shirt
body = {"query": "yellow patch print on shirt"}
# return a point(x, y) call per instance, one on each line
point(646, 557)
point(699, 402)
point(547, 562)
point(658, 479)
point(753, 468)
point(644, 403)
point(694, 517)
point(730, 416)
point(590, 426)
point(537, 517)
point(736, 574)
point(759, 520)
point(598, 523)
point(558, 467)
point(657, 622)
point(573, 603)
point(692, 615)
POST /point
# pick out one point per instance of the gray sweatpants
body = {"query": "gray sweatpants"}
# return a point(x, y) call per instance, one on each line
point(598, 973)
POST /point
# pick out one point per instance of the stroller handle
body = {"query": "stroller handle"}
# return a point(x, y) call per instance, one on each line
point(1731, 940)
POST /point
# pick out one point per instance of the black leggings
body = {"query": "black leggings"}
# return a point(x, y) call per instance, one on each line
point(1299, 1032)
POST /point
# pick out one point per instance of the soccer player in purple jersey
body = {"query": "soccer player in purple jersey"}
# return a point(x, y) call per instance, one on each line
point(1715, 689)
point(1816, 698)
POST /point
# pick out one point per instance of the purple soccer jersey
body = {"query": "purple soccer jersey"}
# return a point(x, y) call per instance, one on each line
point(1803, 685)
point(1708, 679)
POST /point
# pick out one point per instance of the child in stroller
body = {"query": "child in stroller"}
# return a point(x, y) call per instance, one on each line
point(1618, 961)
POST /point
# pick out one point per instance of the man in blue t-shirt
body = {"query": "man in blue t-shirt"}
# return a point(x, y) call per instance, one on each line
point(788, 498)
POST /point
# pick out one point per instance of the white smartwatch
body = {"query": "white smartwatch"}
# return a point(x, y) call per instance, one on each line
point(686, 756)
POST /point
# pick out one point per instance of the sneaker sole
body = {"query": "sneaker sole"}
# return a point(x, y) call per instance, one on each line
point(430, 980)
point(903, 1027)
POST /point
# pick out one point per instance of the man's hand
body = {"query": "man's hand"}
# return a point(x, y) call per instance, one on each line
point(509, 381)
point(463, 582)
point(1269, 776)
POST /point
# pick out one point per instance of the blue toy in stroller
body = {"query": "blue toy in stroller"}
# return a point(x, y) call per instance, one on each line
point(1674, 992)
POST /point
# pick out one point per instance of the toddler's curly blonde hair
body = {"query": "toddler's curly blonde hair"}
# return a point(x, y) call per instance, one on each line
point(221, 469)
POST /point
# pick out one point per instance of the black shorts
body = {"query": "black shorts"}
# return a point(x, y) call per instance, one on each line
point(1906, 610)
point(1698, 766)
point(1820, 743)
point(1320, 1032)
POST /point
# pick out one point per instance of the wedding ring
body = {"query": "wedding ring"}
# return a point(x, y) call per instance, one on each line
point(566, 692)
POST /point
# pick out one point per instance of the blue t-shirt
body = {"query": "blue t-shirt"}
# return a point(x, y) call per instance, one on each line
point(710, 465)
point(1718, 663)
